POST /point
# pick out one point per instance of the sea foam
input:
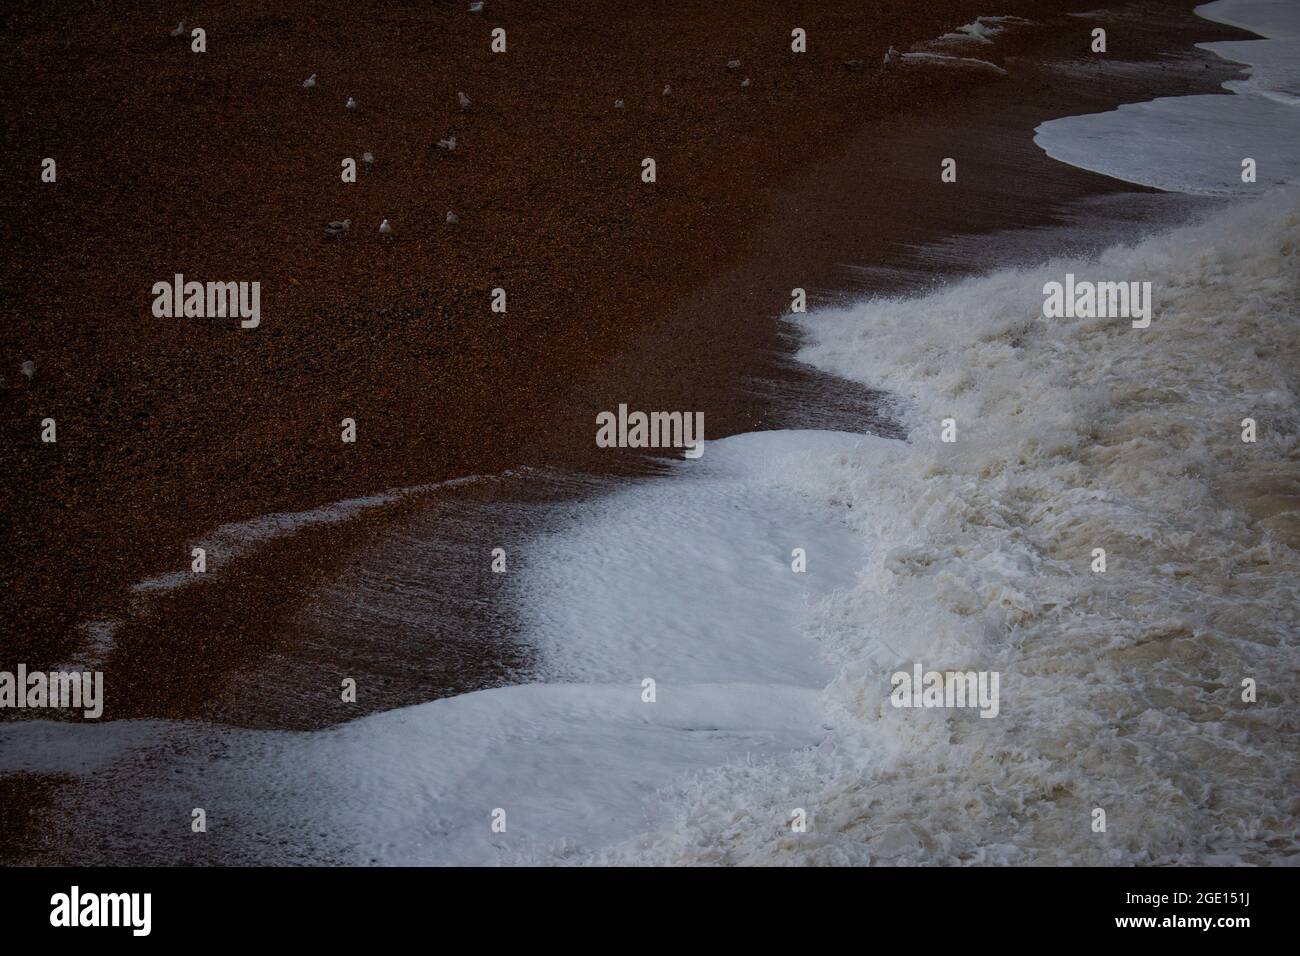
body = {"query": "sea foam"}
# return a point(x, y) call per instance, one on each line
point(1121, 690)
point(1197, 144)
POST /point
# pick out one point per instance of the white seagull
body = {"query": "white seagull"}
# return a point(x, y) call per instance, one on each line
point(744, 84)
point(668, 91)
point(618, 104)
point(385, 229)
point(352, 104)
point(310, 82)
point(28, 369)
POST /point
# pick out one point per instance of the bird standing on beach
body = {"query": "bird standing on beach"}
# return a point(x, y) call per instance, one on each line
point(463, 100)
point(352, 104)
point(368, 158)
point(385, 229)
point(452, 218)
point(618, 104)
point(337, 230)
point(668, 91)
point(28, 369)
point(744, 84)
point(310, 82)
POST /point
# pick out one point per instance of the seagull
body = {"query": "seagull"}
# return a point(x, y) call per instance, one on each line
point(618, 104)
point(352, 104)
point(452, 218)
point(28, 369)
point(463, 100)
point(733, 64)
point(310, 82)
point(449, 143)
point(890, 54)
point(668, 91)
point(368, 158)
point(476, 7)
point(180, 29)
point(385, 229)
point(336, 230)
point(744, 84)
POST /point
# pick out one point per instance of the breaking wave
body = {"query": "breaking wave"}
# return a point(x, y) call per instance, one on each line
point(1120, 690)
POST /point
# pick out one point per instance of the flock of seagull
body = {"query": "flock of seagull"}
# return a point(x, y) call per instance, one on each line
point(343, 227)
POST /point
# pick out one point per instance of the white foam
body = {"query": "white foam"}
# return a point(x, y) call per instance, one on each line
point(1268, 18)
point(946, 61)
point(981, 31)
point(687, 581)
point(1274, 67)
point(1197, 144)
point(1119, 690)
point(573, 767)
point(234, 540)
point(230, 542)
point(1191, 144)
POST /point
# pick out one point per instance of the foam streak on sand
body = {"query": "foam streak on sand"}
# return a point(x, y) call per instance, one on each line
point(686, 581)
point(231, 542)
point(980, 31)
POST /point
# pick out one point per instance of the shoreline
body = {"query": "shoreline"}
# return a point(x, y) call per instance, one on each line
point(222, 424)
point(249, 612)
point(835, 213)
